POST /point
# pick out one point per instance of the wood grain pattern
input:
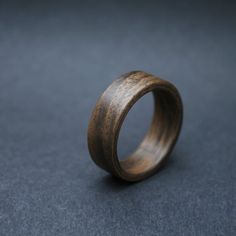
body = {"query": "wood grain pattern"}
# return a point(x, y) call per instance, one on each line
point(110, 112)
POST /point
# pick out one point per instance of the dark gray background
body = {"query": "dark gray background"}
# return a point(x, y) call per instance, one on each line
point(55, 60)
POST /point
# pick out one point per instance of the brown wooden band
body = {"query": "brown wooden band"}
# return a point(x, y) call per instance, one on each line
point(110, 112)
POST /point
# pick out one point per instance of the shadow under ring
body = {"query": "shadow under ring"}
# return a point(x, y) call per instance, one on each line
point(110, 112)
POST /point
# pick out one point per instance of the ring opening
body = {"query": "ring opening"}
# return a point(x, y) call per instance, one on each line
point(160, 137)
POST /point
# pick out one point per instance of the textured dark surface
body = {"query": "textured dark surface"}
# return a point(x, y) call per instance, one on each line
point(56, 59)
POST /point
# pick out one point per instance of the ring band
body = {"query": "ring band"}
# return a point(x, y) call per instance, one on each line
point(110, 112)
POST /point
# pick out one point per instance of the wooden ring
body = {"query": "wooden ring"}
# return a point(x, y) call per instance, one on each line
point(110, 112)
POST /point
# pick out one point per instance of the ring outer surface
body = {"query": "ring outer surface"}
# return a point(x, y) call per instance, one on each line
point(109, 113)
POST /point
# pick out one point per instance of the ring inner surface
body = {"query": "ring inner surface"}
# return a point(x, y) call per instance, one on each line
point(160, 136)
